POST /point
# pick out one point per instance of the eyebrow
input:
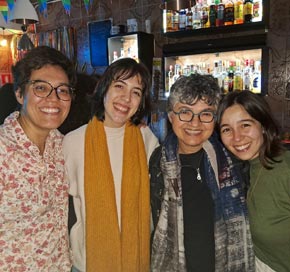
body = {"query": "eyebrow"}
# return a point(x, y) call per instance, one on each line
point(240, 121)
point(121, 81)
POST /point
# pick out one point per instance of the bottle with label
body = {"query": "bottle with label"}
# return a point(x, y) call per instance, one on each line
point(238, 78)
point(175, 20)
point(212, 14)
point(196, 12)
point(170, 77)
point(257, 11)
point(229, 13)
point(256, 78)
point(238, 12)
point(248, 11)
point(220, 13)
point(246, 76)
point(182, 19)
point(188, 21)
point(231, 77)
point(115, 56)
point(204, 14)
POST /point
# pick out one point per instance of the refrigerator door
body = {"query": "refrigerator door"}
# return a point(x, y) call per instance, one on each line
point(136, 45)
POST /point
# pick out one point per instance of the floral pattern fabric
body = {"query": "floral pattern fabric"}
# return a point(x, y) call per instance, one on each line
point(33, 202)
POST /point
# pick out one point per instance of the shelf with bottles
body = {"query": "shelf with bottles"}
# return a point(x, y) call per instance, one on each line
point(234, 70)
point(215, 16)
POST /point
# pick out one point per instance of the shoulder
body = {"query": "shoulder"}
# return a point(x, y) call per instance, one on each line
point(150, 140)
point(74, 140)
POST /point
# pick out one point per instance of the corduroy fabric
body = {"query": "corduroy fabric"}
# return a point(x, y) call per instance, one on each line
point(107, 248)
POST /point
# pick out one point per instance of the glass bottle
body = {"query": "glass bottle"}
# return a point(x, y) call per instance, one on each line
point(238, 12)
point(229, 13)
point(204, 14)
point(212, 14)
point(257, 11)
point(248, 11)
point(188, 20)
point(220, 13)
point(196, 11)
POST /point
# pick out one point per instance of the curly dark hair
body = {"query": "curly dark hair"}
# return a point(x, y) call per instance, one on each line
point(190, 89)
point(37, 58)
point(122, 69)
point(257, 107)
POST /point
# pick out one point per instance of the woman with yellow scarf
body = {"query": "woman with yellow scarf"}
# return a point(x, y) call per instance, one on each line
point(108, 174)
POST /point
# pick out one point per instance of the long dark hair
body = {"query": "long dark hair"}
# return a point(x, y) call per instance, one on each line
point(257, 107)
point(122, 69)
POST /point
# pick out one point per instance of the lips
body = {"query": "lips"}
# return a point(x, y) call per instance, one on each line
point(242, 148)
point(121, 108)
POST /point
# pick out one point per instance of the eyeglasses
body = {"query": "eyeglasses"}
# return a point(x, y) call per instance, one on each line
point(44, 89)
point(205, 116)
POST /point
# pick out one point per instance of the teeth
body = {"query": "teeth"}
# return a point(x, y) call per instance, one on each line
point(193, 132)
point(122, 109)
point(50, 110)
point(242, 147)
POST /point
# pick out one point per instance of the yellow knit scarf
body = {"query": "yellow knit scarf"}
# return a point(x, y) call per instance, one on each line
point(108, 249)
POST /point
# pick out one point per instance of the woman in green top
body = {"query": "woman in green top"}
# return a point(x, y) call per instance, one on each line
point(249, 131)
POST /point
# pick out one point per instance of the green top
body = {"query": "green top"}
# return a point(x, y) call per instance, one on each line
point(269, 210)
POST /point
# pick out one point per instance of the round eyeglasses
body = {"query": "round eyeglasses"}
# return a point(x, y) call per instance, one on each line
point(44, 89)
point(205, 116)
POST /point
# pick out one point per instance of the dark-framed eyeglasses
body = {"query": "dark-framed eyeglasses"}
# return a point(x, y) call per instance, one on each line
point(43, 89)
point(187, 115)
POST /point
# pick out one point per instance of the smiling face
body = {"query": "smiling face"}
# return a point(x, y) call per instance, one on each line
point(241, 133)
point(40, 115)
point(122, 100)
point(191, 135)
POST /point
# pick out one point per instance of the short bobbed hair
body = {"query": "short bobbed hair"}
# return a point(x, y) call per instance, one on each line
point(123, 69)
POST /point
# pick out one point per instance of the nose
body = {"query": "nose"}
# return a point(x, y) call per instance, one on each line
point(237, 135)
point(127, 96)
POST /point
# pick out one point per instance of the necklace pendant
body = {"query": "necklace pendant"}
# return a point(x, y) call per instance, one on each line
point(198, 176)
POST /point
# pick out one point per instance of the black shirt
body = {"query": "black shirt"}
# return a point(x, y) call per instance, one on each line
point(198, 215)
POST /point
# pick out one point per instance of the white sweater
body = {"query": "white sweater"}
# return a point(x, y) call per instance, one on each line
point(73, 146)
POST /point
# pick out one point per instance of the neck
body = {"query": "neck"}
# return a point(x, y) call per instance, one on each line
point(37, 136)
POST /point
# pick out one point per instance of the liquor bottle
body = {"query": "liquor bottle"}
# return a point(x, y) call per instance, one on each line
point(248, 11)
point(229, 14)
point(196, 11)
point(231, 77)
point(188, 19)
point(256, 78)
point(175, 20)
point(220, 13)
point(246, 76)
point(177, 72)
point(115, 56)
point(212, 14)
point(257, 11)
point(182, 19)
point(238, 12)
point(170, 76)
point(204, 14)
point(238, 78)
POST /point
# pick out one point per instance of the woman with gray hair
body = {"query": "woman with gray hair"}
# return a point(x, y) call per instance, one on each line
point(197, 200)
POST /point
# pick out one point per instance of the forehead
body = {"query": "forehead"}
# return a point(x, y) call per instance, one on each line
point(50, 73)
